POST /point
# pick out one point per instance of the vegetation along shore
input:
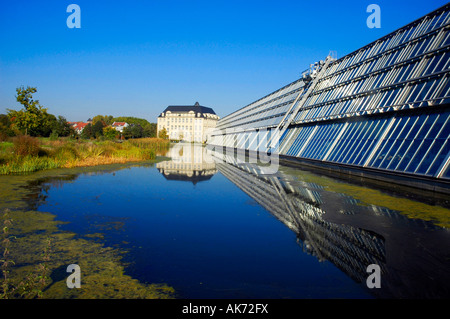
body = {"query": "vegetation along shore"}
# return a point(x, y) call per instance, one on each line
point(31, 139)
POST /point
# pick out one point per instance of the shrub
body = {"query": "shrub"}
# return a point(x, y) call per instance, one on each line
point(26, 145)
point(65, 152)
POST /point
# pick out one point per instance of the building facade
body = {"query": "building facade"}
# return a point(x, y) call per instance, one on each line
point(382, 109)
point(187, 123)
point(119, 126)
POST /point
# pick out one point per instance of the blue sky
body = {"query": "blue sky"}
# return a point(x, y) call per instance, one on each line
point(134, 58)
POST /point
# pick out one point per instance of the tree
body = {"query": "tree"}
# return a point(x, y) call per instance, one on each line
point(5, 127)
point(163, 134)
point(149, 130)
point(32, 117)
point(97, 129)
point(62, 127)
point(133, 131)
point(48, 122)
point(105, 119)
point(87, 132)
point(110, 133)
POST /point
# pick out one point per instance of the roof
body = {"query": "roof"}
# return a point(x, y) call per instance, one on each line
point(196, 108)
point(78, 125)
point(119, 124)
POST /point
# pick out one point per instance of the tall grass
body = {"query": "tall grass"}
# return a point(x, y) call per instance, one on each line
point(30, 154)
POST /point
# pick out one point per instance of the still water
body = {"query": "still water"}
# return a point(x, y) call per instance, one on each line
point(213, 229)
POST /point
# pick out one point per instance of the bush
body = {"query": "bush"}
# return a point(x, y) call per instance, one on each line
point(26, 145)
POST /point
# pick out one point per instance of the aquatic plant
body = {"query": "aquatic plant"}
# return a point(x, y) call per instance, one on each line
point(31, 154)
point(32, 285)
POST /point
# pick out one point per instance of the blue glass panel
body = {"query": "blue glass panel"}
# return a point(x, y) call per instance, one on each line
point(343, 142)
point(354, 141)
point(429, 157)
point(426, 126)
point(318, 142)
point(401, 145)
point(391, 157)
point(371, 142)
point(440, 158)
point(413, 142)
point(387, 145)
point(297, 141)
point(419, 155)
point(362, 139)
point(425, 90)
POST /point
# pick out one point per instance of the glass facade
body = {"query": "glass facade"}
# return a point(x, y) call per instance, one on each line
point(384, 106)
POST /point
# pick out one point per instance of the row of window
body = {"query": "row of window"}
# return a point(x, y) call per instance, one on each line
point(272, 100)
point(395, 56)
point(408, 33)
point(186, 127)
point(426, 89)
point(415, 144)
point(368, 76)
point(435, 87)
point(182, 120)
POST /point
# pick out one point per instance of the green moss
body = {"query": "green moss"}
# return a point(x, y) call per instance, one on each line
point(368, 196)
point(102, 270)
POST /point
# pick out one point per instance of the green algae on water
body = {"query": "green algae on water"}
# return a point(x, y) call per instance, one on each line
point(32, 232)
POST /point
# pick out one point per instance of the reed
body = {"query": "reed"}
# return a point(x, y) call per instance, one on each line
point(28, 154)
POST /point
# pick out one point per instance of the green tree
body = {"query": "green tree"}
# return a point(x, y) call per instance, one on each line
point(87, 132)
point(149, 130)
point(32, 117)
point(105, 119)
point(48, 122)
point(163, 134)
point(133, 131)
point(110, 133)
point(62, 128)
point(97, 129)
point(5, 127)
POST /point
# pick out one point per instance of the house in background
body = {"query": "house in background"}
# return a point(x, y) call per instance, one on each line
point(78, 126)
point(119, 126)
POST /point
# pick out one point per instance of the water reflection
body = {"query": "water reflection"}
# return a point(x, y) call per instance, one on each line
point(189, 162)
point(345, 224)
point(413, 254)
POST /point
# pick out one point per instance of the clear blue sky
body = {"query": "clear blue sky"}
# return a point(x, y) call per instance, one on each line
point(134, 58)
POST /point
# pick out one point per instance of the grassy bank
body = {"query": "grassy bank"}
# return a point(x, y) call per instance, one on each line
point(27, 154)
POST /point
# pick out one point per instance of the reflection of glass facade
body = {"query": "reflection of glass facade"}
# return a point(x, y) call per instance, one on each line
point(336, 227)
point(384, 106)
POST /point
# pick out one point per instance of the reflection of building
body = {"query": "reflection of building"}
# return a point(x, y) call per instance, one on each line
point(189, 162)
point(187, 123)
point(335, 227)
point(382, 110)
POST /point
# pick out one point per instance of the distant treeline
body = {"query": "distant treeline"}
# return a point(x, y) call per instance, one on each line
point(34, 120)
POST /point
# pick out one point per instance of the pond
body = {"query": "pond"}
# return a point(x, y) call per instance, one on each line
point(216, 229)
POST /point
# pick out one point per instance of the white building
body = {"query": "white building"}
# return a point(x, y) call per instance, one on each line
point(119, 126)
point(187, 123)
